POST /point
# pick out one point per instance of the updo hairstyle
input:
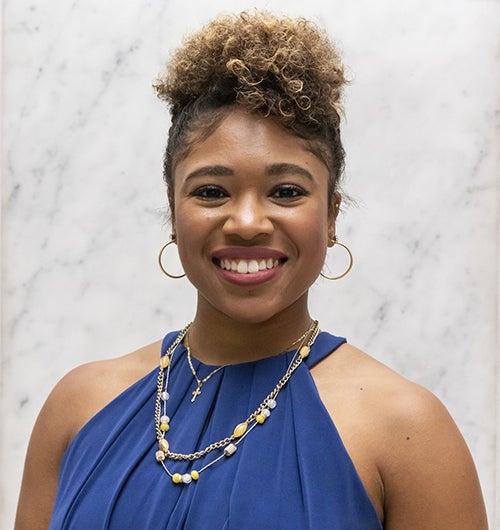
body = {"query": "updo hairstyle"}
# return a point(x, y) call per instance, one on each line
point(280, 67)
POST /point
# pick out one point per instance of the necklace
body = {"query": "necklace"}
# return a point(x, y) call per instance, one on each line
point(201, 382)
point(228, 445)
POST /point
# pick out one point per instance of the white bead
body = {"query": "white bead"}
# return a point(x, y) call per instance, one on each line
point(265, 412)
point(271, 403)
point(165, 395)
point(165, 419)
point(186, 478)
point(230, 449)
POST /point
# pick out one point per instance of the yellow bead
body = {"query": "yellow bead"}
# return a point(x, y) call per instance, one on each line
point(240, 430)
point(176, 478)
point(260, 418)
point(163, 445)
point(195, 475)
point(160, 456)
point(164, 361)
point(304, 351)
point(164, 426)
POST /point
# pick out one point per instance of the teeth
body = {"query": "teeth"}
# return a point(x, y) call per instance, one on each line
point(243, 266)
point(253, 266)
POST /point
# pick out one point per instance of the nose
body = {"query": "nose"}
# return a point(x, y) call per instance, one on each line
point(248, 218)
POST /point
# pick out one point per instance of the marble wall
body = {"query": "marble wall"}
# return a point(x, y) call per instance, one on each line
point(83, 201)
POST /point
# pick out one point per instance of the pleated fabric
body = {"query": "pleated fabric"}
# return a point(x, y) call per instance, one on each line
point(292, 472)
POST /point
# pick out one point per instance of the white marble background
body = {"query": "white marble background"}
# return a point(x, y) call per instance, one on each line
point(83, 198)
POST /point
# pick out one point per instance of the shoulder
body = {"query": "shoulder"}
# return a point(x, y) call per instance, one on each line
point(374, 388)
point(405, 433)
point(90, 387)
point(349, 379)
point(75, 399)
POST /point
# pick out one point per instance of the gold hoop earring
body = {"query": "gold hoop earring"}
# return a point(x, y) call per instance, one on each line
point(175, 277)
point(335, 241)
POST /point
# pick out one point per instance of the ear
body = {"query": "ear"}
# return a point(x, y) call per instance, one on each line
point(332, 217)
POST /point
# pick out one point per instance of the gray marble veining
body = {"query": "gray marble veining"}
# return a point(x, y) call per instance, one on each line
point(83, 203)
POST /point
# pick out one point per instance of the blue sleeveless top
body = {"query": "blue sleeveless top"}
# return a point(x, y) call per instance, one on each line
point(292, 472)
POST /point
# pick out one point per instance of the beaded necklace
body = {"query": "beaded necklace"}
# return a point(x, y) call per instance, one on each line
point(201, 382)
point(229, 445)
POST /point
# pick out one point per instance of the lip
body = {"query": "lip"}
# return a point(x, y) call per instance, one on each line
point(248, 253)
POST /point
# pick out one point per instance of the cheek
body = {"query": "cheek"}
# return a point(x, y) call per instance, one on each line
point(186, 230)
point(312, 233)
point(316, 245)
point(193, 227)
point(186, 217)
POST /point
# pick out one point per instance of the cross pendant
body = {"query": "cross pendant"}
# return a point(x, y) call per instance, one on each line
point(195, 393)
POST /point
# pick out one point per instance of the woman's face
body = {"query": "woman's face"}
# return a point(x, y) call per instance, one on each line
point(251, 218)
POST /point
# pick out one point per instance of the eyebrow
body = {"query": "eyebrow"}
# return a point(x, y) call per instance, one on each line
point(211, 171)
point(272, 170)
point(285, 167)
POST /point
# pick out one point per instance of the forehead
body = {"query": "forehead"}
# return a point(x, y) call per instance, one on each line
point(244, 137)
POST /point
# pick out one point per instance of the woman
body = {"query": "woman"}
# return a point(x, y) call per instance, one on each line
point(253, 418)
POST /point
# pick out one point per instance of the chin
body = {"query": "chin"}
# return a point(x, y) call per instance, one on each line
point(257, 309)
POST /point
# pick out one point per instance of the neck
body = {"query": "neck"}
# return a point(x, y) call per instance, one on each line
point(217, 339)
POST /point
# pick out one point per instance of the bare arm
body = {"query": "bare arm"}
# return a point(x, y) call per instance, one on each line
point(48, 442)
point(429, 477)
point(74, 401)
point(410, 455)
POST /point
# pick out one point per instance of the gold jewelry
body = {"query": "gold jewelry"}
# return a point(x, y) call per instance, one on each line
point(199, 381)
point(302, 337)
point(172, 240)
point(334, 242)
point(228, 445)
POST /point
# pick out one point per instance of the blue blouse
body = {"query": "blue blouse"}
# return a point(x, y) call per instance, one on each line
point(292, 472)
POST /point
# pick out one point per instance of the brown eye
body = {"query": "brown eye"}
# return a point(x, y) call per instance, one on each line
point(288, 191)
point(210, 192)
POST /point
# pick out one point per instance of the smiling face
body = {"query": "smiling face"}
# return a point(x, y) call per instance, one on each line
point(251, 218)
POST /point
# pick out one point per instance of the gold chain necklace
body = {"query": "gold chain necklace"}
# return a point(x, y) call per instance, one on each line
point(201, 382)
point(228, 445)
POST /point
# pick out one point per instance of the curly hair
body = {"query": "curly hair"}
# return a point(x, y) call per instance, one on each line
point(280, 67)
